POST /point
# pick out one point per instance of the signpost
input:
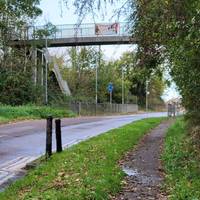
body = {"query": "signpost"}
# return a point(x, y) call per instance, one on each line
point(110, 90)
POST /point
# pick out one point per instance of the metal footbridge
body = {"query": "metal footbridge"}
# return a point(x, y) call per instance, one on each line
point(75, 35)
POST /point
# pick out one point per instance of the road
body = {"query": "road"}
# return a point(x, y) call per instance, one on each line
point(23, 142)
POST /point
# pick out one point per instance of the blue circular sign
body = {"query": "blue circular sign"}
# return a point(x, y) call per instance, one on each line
point(110, 87)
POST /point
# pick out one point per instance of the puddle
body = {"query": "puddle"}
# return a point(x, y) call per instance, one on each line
point(130, 172)
point(141, 178)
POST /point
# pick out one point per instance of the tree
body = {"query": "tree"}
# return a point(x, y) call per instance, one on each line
point(137, 77)
point(80, 75)
point(80, 72)
point(15, 69)
point(168, 31)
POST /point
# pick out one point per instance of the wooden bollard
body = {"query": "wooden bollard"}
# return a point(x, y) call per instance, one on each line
point(58, 135)
point(49, 137)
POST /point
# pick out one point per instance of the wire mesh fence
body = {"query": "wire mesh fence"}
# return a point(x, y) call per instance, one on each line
point(81, 108)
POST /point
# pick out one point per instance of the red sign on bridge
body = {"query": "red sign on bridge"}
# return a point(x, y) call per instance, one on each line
point(107, 29)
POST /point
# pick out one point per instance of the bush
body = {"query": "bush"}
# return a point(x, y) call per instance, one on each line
point(181, 162)
point(10, 113)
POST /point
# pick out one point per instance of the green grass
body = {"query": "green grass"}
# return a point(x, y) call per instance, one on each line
point(88, 170)
point(181, 164)
point(15, 113)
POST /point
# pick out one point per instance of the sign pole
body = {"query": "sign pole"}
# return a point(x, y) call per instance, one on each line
point(110, 90)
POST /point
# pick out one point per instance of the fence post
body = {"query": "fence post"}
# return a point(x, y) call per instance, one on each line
point(79, 108)
point(58, 135)
point(95, 109)
point(170, 110)
point(49, 137)
point(174, 110)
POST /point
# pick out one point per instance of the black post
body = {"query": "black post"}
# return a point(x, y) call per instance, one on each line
point(49, 137)
point(58, 135)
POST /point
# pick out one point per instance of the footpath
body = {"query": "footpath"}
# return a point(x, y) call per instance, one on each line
point(143, 168)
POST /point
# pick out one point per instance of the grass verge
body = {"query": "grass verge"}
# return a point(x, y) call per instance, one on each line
point(88, 170)
point(15, 113)
point(181, 164)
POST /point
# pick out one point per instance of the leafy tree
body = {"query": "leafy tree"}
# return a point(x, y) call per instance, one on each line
point(81, 73)
point(15, 69)
point(81, 77)
point(168, 31)
point(138, 76)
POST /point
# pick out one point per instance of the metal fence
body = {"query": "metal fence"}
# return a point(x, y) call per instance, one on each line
point(102, 108)
point(174, 110)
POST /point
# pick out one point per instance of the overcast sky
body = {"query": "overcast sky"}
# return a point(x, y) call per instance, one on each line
point(57, 13)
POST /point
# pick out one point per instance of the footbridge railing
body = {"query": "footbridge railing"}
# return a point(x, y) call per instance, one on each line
point(72, 30)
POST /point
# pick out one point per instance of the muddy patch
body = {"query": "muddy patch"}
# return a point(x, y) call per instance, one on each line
point(143, 168)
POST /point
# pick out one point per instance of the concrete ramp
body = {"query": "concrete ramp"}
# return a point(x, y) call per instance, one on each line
point(61, 82)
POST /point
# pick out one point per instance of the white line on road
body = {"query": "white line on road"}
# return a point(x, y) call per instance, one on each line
point(17, 163)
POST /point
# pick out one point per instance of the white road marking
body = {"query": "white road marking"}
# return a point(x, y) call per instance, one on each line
point(16, 164)
point(9, 169)
point(5, 176)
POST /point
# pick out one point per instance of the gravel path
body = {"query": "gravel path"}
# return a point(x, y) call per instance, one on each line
point(144, 169)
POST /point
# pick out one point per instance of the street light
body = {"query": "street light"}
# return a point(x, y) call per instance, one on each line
point(122, 85)
point(46, 74)
point(96, 84)
point(147, 93)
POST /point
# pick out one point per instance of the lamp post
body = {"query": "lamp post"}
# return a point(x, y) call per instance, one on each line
point(147, 93)
point(46, 74)
point(122, 85)
point(96, 83)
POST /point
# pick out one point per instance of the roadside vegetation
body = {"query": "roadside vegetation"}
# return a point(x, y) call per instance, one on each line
point(88, 170)
point(81, 77)
point(16, 113)
point(22, 82)
point(182, 164)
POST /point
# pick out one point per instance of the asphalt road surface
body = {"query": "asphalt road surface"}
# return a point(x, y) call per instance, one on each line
point(23, 142)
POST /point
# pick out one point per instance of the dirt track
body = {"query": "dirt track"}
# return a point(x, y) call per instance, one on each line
point(143, 168)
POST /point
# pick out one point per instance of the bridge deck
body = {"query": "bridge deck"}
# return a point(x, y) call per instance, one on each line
point(79, 41)
point(73, 35)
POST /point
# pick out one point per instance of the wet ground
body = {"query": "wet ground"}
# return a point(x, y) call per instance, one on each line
point(23, 142)
point(143, 168)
